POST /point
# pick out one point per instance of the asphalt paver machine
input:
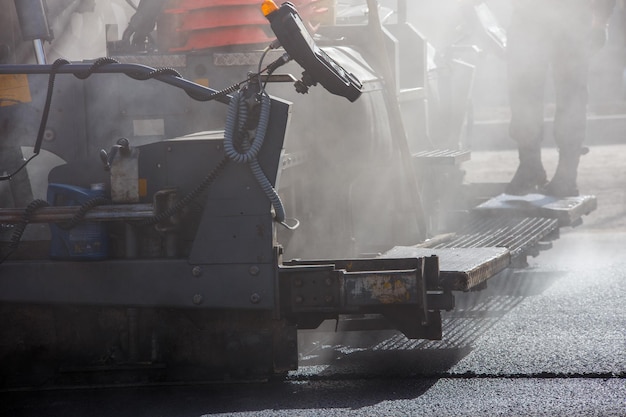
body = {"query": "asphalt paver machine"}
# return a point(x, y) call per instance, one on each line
point(155, 229)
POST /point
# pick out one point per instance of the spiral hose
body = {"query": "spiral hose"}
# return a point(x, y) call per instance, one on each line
point(236, 119)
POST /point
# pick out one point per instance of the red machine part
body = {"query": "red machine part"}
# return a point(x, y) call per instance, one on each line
point(191, 25)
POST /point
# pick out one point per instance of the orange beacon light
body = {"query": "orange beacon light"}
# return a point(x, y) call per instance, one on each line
point(268, 7)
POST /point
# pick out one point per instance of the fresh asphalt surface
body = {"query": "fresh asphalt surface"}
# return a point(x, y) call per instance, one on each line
point(547, 340)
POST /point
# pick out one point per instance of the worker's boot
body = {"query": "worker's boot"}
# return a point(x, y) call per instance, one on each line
point(530, 175)
point(563, 183)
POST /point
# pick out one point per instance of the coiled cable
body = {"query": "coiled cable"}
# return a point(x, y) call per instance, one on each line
point(82, 212)
point(20, 227)
point(187, 199)
point(97, 64)
point(33, 206)
point(246, 151)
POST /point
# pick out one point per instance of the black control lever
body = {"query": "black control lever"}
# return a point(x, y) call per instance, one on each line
point(122, 147)
point(300, 45)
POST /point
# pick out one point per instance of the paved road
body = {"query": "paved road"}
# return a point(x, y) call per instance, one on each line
point(548, 340)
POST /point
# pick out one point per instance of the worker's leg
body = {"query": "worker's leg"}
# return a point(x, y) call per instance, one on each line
point(570, 71)
point(527, 61)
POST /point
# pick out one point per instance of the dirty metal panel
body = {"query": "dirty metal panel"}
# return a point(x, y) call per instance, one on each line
point(312, 289)
point(393, 289)
point(359, 264)
point(142, 283)
point(461, 269)
point(568, 210)
point(384, 288)
point(348, 285)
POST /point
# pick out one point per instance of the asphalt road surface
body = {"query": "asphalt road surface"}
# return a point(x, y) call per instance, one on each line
point(548, 340)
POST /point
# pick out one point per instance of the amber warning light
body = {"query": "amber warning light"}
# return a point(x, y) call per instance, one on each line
point(268, 7)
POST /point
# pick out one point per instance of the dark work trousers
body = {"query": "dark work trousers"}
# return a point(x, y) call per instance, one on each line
point(551, 38)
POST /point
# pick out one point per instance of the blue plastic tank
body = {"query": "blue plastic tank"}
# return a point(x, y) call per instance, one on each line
point(86, 241)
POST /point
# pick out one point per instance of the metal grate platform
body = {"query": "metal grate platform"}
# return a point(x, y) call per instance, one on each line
point(517, 234)
point(460, 269)
point(481, 249)
point(568, 210)
point(442, 157)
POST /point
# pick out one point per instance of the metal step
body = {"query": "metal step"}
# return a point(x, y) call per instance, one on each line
point(517, 234)
point(568, 210)
point(442, 157)
point(497, 233)
point(481, 249)
point(460, 269)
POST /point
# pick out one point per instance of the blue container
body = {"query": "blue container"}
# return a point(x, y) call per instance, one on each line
point(86, 241)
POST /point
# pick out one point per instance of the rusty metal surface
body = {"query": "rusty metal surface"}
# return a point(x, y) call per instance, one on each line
point(390, 287)
point(347, 285)
point(461, 269)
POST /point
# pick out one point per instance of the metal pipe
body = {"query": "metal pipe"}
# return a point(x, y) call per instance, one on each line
point(122, 212)
point(40, 54)
point(132, 70)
